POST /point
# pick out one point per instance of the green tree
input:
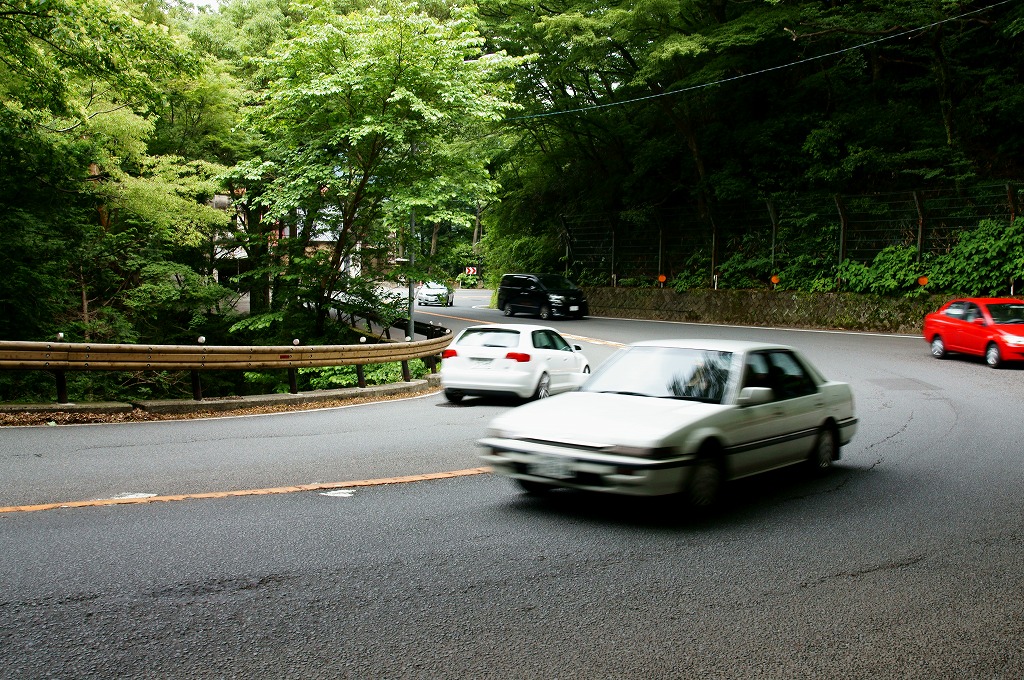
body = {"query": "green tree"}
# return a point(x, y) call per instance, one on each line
point(84, 204)
point(368, 119)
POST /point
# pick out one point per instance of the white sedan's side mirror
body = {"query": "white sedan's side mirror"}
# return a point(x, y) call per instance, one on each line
point(751, 396)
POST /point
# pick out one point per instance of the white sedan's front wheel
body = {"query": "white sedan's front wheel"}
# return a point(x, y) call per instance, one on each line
point(705, 486)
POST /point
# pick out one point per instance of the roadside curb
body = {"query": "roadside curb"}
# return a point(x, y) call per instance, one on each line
point(179, 406)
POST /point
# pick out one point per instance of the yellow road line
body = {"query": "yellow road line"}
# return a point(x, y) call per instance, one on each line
point(248, 492)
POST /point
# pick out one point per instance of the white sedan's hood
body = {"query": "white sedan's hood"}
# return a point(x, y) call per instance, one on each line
point(589, 418)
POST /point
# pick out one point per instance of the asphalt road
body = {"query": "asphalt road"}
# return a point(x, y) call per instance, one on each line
point(904, 562)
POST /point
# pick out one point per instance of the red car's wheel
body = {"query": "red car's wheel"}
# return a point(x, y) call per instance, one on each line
point(938, 347)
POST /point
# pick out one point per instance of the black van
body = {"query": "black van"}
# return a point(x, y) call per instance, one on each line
point(541, 294)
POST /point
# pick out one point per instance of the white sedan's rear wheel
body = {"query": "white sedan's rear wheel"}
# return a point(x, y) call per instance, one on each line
point(825, 448)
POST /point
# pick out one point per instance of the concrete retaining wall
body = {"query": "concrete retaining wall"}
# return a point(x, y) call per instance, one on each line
point(790, 309)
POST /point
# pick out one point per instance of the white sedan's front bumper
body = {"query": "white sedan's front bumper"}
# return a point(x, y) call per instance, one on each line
point(579, 469)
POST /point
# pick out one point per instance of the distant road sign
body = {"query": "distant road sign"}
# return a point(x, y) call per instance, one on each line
point(471, 271)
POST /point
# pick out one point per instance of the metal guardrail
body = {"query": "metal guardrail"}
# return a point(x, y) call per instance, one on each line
point(60, 357)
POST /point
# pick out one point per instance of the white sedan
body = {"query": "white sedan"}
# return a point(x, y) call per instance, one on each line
point(434, 293)
point(521, 361)
point(675, 416)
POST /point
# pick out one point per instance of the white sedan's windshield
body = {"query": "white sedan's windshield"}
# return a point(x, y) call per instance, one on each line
point(670, 372)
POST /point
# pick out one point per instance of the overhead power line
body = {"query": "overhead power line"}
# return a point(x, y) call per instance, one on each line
point(722, 81)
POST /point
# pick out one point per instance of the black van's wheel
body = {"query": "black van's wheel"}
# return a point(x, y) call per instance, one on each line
point(507, 311)
point(545, 312)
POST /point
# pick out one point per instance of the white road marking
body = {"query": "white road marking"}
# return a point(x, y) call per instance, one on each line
point(339, 493)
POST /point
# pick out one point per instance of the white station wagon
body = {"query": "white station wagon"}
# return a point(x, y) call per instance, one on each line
point(675, 416)
point(511, 360)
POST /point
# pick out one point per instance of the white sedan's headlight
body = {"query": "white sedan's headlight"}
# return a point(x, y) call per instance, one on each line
point(654, 452)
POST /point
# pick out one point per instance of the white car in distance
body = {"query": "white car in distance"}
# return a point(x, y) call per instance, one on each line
point(519, 360)
point(434, 293)
point(677, 416)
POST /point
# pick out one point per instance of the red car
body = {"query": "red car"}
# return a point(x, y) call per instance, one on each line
point(987, 327)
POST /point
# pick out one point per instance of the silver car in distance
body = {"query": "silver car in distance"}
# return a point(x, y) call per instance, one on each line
point(676, 416)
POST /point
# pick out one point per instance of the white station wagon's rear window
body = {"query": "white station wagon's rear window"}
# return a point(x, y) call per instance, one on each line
point(489, 337)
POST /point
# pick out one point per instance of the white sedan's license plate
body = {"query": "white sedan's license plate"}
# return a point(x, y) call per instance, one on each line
point(551, 466)
point(574, 308)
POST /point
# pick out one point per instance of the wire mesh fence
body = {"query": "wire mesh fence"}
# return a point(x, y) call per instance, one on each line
point(823, 228)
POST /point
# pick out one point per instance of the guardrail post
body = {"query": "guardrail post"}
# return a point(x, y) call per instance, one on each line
point(406, 374)
point(293, 383)
point(62, 386)
point(361, 375)
point(197, 388)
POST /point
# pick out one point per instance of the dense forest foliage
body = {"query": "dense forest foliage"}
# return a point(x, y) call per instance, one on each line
point(161, 159)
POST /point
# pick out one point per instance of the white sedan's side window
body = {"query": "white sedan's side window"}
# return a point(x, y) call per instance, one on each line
point(788, 378)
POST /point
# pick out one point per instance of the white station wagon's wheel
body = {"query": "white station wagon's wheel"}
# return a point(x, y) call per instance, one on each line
point(543, 390)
